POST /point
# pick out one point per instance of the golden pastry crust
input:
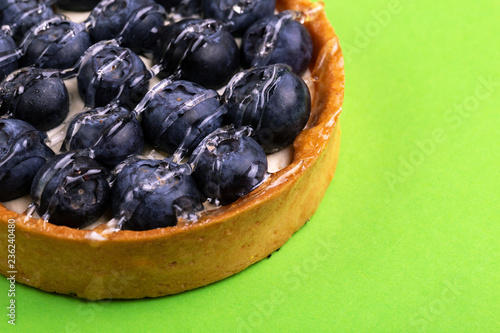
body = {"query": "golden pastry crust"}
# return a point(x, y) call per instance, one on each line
point(137, 264)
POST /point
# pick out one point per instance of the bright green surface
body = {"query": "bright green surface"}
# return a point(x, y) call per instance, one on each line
point(406, 239)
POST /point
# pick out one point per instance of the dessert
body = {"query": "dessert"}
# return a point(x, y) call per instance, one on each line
point(94, 264)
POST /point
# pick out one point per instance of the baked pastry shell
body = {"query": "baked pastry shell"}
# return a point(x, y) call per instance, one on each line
point(138, 264)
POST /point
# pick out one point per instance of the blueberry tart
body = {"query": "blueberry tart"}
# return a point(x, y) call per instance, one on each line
point(198, 236)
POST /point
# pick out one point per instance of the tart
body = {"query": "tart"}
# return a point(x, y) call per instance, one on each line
point(224, 241)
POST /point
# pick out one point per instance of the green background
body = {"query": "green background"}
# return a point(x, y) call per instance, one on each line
point(406, 239)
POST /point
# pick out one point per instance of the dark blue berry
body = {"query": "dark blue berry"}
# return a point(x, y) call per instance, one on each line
point(9, 129)
point(71, 190)
point(110, 74)
point(273, 100)
point(241, 13)
point(22, 152)
point(277, 39)
point(77, 5)
point(180, 116)
point(228, 164)
point(112, 133)
point(57, 43)
point(21, 15)
point(201, 51)
point(184, 8)
point(150, 194)
point(9, 55)
point(131, 20)
point(37, 97)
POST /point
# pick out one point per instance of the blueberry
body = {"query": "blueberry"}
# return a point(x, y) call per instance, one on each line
point(71, 190)
point(241, 13)
point(55, 43)
point(278, 39)
point(228, 164)
point(112, 133)
point(35, 96)
point(77, 5)
point(9, 55)
point(150, 194)
point(9, 129)
point(21, 15)
point(201, 51)
point(184, 8)
point(273, 100)
point(132, 20)
point(22, 152)
point(180, 116)
point(110, 75)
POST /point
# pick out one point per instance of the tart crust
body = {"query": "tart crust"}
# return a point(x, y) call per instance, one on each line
point(137, 264)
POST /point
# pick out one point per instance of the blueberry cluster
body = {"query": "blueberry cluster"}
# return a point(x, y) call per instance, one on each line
point(216, 143)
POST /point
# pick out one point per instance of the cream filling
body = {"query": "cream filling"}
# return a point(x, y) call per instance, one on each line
point(276, 161)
